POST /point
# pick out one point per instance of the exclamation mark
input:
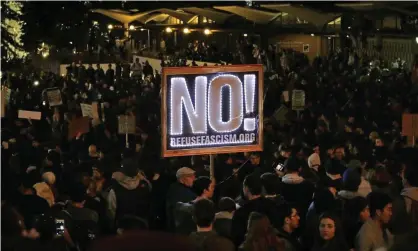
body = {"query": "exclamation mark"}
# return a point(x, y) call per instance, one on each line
point(249, 92)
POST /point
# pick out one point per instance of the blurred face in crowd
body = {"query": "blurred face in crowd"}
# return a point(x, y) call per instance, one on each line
point(339, 153)
point(209, 192)
point(316, 150)
point(379, 143)
point(255, 160)
point(188, 180)
point(293, 220)
point(386, 214)
point(327, 229)
point(365, 214)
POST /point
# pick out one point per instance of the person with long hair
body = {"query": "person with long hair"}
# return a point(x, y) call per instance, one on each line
point(261, 235)
point(330, 236)
point(355, 213)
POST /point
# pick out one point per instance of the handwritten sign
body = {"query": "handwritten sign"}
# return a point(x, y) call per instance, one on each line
point(78, 125)
point(54, 97)
point(298, 100)
point(126, 124)
point(22, 114)
point(86, 110)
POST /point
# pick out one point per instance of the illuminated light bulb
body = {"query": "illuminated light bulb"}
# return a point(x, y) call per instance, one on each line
point(235, 103)
point(312, 35)
point(36, 83)
point(131, 27)
point(110, 26)
point(197, 114)
point(168, 30)
point(186, 31)
point(245, 35)
point(207, 32)
point(142, 29)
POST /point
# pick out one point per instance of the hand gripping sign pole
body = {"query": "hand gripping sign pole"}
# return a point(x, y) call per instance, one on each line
point(212, 167)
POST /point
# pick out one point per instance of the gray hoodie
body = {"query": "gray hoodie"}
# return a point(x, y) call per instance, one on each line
point(129, 183)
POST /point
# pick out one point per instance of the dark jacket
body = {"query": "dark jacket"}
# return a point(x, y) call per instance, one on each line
point(291, 243)
point(402, 221)
point(176, 193)
point(129, 196)
point(297, 191)
point(240, 219)
point(210, 241)
point(223, 224)
point(183, 218)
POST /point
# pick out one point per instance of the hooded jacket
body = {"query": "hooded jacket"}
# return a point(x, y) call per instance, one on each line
point(128, 196)
point(295, 189)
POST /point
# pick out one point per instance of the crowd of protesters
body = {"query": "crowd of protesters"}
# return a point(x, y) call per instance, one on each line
point(337, 176)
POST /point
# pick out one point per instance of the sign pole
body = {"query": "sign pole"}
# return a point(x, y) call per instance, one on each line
point(212, 166)
point(126, 132)
point(414, 124)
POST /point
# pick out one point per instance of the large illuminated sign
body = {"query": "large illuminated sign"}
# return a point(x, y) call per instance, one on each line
point(208, 110)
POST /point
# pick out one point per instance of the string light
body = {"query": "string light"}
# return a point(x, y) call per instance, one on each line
point(196, 115)
point(249, 88)
point(235, 103)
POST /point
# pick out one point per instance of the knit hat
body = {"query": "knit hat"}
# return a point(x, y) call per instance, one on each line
point(351, 180)
point(129, 167)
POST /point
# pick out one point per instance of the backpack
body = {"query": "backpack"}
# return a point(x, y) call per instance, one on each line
point(83, 232)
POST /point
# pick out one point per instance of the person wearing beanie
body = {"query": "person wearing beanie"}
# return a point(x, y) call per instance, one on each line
point(351, 181)
point(130, 192)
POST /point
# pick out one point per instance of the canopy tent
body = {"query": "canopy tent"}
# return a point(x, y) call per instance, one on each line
point(121, 16)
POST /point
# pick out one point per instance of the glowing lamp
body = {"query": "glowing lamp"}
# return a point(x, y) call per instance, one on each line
point(131, 27)
point(168, 30)
point(207, 32)
point(110, 26)
point(186, 31)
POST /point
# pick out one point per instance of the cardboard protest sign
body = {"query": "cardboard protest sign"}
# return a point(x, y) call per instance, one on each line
point(54, 97)
point(280, 115)
point(298, 100)
point(95, 110)
point(78, 125)
point(126, 124)
point(410, 127)
point(86, 110)
point(22, 114)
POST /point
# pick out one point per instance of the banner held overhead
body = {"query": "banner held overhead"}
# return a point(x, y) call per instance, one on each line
point(209, 110)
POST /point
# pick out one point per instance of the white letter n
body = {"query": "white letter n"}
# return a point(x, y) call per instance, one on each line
point(180, 97)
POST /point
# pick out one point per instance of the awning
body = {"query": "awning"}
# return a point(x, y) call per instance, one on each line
point(183, 16)
point(217, 16)
point(317, 18)
point(257, 16)
point(121, 16)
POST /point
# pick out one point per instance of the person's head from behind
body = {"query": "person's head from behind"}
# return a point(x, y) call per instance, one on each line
point(92, 150)
point(203, 213)
point(137, 60)
point(204, 187)
point(109, 66)
point(252, 186)
point(258, 224)
point(324, 200)
point(380, 207)
point(410, 176)
point(292, 165)
point(227, 204)
point(357, 209)
point(351, 180)
point(289, 218)
point(186, 176)
point(260, 234)
point(255, 158)
point(271, 183)
point(330, 227)
point(98, 66)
